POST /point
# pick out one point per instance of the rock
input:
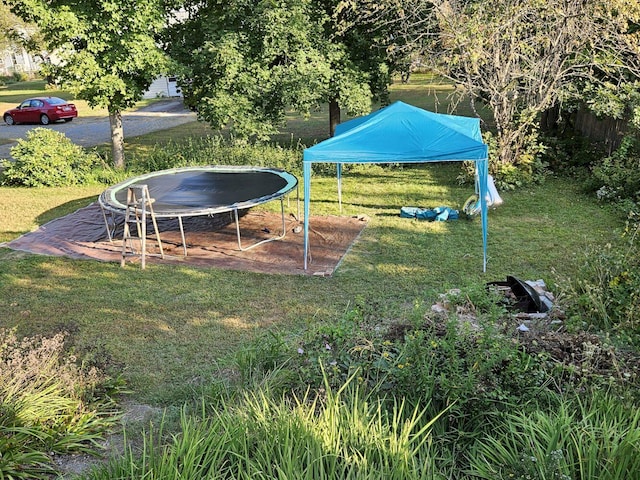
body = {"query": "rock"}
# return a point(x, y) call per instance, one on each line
point(438, 308)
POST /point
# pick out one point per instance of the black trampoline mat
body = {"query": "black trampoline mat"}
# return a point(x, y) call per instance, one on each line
point(204, 190)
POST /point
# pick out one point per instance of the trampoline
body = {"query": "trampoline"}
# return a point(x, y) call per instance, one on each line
point(197, 191)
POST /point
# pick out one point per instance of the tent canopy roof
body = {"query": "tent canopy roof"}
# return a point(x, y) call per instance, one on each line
point(402, 133)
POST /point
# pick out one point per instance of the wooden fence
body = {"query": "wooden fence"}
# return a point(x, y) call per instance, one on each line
point(607, 131)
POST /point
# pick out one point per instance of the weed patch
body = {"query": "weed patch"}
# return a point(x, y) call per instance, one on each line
point(47, 405)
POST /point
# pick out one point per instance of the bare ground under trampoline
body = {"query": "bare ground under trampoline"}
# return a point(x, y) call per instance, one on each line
point(210, 243)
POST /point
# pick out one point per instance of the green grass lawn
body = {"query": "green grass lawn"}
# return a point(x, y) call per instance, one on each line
point(168, 329)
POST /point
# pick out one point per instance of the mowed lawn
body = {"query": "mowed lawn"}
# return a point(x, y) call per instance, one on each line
point(168, 329)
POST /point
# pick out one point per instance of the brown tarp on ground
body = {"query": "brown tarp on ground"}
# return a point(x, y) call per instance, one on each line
point(210, 243)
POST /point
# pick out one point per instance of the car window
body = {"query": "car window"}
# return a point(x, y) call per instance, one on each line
point(37, 103)
point(56, 101)
point(25, 104)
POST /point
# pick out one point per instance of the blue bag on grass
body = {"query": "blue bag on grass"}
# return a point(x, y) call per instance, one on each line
point(438, 214)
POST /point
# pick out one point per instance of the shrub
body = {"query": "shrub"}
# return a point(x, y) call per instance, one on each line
point(47, 158)
point(572, 155)
point(529, 169)
point(604, 295)
point(44, 405)
point(617, 177)
point(19, 76)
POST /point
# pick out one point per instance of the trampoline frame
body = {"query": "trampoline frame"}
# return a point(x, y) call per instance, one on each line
point(111, 207)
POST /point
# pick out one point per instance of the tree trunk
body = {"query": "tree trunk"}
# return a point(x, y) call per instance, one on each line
point(117, 138)
point(334, 115)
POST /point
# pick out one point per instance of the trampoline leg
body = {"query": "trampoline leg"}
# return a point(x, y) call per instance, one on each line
point(184, 242)
point(266, 240)
point(155, 227)
point(297, 201)
point(106, 223)
point(143, 237)
point(235, 216)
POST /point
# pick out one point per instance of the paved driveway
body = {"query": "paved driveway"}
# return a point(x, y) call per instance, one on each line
point(90, 131)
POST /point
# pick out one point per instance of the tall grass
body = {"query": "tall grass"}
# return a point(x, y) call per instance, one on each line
point(596, 438)
point(43, 406)
point(341, 434)
point(215, 150)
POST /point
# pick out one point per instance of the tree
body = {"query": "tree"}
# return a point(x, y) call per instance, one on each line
point(250, 61)
point(618, 97)
point(8, 22)
point(14, 31)
point(106, 51)
point(519, 57)
point(362, 60)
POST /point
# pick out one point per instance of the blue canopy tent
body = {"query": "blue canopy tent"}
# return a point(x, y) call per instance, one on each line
point(402, 133)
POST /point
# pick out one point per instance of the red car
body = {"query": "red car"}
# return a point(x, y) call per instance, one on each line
point(43, 110)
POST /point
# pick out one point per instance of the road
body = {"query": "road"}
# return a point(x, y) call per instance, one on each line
point(91, 131)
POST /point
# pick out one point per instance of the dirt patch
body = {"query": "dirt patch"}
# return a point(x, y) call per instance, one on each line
point(135, 416)
point(210, 242)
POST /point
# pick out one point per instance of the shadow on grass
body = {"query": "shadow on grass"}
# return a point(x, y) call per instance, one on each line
point(64, 209)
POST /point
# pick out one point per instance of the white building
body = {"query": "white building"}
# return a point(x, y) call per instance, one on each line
point(17, 59)
point(163, 87)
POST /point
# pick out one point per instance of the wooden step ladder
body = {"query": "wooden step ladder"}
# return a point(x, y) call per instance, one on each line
point(139, 205)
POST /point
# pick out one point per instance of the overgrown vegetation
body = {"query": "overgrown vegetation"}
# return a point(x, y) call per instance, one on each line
point(215, 150)
point(48, 405)
point(464, 396)
point(604, 295)
point(617, 177)
point(597, 437)
point(344, 433)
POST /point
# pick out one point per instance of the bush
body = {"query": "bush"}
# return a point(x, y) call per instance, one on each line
point(19, 76)
point(572, 155)
point(617, 177)
point(529, 169)
point(47, 158)
point(45, 405)
point(604, 295)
